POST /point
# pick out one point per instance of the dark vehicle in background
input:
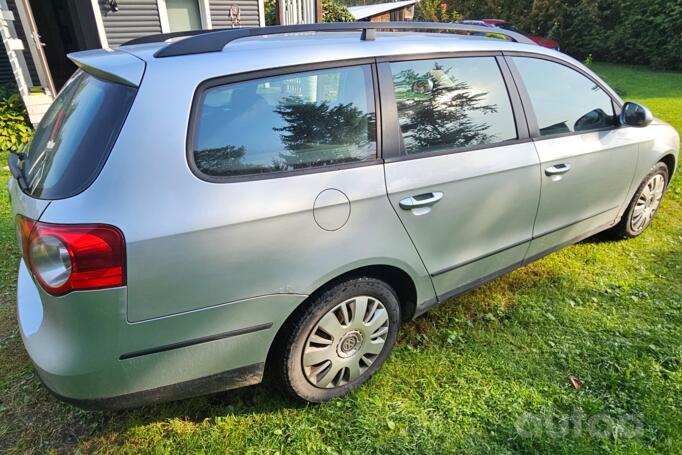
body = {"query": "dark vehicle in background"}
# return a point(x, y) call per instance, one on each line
point(501, 23)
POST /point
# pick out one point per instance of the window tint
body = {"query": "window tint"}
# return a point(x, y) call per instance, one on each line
point(564, 100)
point(75, 136)
point(451, 103)
point(285, 123)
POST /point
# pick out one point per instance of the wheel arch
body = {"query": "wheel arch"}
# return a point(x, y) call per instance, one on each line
point(401, 281)
point(669, 160)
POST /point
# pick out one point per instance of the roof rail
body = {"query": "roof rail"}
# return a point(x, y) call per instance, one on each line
point(204, 41)
point(161, 37)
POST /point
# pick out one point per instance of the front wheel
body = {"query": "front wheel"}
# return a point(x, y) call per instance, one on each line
point(340, 339)
point(645, 203)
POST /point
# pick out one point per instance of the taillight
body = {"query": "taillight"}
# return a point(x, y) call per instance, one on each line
point(70, 257)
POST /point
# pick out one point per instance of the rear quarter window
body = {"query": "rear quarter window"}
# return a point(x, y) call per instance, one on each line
point(75, 136)
point(285, 123)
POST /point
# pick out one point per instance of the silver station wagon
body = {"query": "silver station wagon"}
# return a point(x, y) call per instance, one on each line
point(195, 210)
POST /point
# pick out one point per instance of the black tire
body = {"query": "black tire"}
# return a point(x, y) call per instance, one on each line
point(626, 228)
point(291, 371)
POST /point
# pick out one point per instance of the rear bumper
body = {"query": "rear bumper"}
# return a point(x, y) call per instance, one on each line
point(87, 353)
point(239, 377)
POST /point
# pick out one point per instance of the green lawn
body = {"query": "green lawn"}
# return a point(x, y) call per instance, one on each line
point(486, 372)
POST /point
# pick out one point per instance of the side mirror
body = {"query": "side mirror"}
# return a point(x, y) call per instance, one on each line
point(634, 114)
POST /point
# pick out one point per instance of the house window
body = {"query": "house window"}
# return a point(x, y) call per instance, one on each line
point(183, 15)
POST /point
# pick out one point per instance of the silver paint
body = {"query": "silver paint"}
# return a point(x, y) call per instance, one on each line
point(205, 258)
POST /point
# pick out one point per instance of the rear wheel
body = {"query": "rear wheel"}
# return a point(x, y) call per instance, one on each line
point(340, 339)
point(645, 203)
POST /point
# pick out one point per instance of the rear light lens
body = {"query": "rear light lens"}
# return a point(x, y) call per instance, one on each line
point(50, 260)
point(70, 257)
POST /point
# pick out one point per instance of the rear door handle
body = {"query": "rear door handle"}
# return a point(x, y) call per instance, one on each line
point(558, 169)
point(421, 200)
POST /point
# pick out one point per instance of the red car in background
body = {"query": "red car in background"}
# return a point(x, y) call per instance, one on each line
point(501, 23)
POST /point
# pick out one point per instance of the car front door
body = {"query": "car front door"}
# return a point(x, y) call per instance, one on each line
point(587, 160)
point(460, 171)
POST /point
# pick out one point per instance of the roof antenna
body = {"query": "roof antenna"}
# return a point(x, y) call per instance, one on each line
point(368, 34)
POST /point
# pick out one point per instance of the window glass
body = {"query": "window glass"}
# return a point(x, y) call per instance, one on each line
point(451, 103)
point(287, 122)
point(564, 100)
point(183, 15)
point(75, 136)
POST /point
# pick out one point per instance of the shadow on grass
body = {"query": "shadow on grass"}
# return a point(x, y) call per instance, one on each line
point(604, 237)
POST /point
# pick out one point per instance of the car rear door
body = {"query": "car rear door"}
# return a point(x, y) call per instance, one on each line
point(460, 171)
point(587, 160)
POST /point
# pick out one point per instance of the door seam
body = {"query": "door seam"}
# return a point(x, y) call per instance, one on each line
point(388, 199)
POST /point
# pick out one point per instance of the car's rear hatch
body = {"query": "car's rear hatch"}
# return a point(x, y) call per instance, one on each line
point(77, 133)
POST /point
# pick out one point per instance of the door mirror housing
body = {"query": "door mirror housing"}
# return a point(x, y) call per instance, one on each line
point(634, 114)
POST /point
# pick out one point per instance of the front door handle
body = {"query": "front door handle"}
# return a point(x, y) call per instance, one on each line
point(558, 169)
point(421, 200)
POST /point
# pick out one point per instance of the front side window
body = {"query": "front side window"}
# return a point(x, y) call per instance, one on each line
point(451, 103)
point(286, 123)
point(564, 100)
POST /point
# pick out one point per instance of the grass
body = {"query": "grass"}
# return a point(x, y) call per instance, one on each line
point(485, 373)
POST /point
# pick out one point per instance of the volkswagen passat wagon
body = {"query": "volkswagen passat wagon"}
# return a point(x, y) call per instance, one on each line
point(196, 210)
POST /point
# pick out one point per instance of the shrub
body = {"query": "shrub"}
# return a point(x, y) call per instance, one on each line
point(431, 11)
point(333, 11)
point(270, 12)
point(15, 131)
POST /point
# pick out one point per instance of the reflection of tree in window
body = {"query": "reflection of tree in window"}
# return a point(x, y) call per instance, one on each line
point(435, 108)
point(287, 122)
point(222, 160)
point(317, 134)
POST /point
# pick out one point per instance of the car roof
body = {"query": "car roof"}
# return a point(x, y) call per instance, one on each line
point(282, 50)
point(348, 45)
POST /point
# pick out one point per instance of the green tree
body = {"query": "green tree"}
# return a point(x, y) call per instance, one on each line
point(620, 31)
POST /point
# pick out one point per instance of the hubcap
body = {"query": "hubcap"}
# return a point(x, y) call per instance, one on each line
point(349, 344)
point(647, 203)
point(345, 342)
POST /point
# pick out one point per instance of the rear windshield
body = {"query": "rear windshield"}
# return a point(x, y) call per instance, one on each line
point(75, 136)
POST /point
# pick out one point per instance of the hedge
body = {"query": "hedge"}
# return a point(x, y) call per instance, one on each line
point(647, 32)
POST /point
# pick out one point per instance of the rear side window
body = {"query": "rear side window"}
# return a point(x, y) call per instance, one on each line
point(564, 100)
point(286, 123)
point(75, 136)
point(451, 103)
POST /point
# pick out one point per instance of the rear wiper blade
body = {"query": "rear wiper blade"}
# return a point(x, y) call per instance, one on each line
point(15, 167)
